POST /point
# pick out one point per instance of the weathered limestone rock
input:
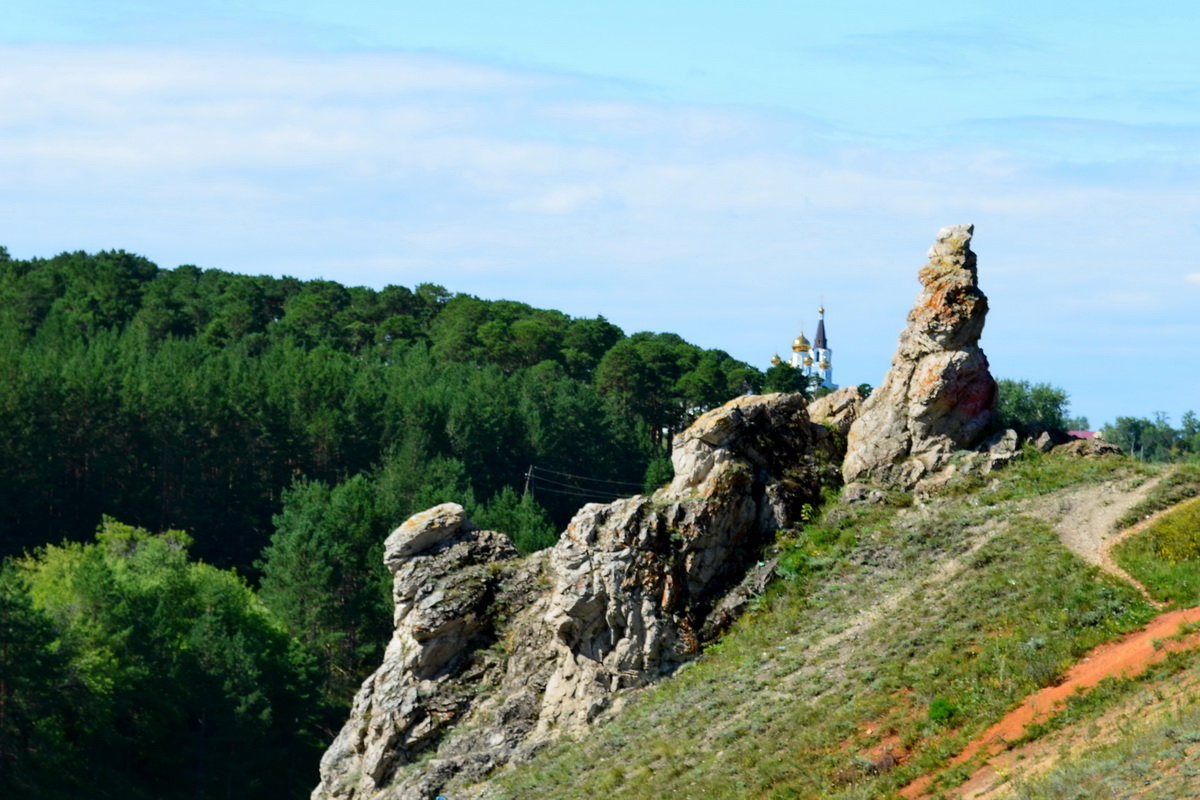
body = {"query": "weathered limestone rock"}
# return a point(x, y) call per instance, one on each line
point(838, 409)
point(636, 580)
point(767, 438)
point(1000, 449)
point(494, 655)
point(1043, 442)
point(444, 581)
point(938, 396)
point(1089, 448)
point(504, 685)
point(422, 531)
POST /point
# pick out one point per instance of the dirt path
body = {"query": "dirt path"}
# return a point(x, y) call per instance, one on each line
point(1086, 529)
point(1127, 657)
point(1106, 558)
point(993, 780)
point(1088, 519)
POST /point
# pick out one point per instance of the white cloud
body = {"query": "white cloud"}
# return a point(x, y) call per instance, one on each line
point(722, 224)
point(564, 199)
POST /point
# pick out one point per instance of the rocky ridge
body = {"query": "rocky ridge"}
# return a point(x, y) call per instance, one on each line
point(493, 655)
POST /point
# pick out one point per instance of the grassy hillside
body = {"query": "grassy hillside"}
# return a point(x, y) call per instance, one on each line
point(1166, 556)
point(1145, 747)
point(897, 634)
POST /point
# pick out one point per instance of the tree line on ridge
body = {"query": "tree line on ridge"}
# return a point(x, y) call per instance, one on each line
point(198, 470)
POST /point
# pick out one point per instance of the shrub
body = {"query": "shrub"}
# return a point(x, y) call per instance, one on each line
point(942, 711)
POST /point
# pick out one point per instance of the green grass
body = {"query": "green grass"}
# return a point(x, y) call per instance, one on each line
point(1166, 556)
point(791, 703)
point(1182, 483)
point(1035, 474)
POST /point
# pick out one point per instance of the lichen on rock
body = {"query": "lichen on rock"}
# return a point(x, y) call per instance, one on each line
point(938, 396)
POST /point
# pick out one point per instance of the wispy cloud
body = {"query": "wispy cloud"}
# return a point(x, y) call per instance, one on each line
point(955, 46)
point(1080, 140)
point(721, 223)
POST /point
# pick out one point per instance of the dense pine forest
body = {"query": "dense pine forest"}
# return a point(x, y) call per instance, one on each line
point(198, 469)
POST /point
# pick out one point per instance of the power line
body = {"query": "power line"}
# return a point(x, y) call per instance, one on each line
point(636, 484)
point(553, 482)
point(544, 482)
point(584, 495)
point(536, 481)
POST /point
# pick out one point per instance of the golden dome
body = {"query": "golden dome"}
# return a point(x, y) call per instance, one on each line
point(824, 364)
point(801, 344)
point(776, 360)
point(808, 362)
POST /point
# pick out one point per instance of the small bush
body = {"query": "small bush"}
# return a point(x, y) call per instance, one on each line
point(942, 711)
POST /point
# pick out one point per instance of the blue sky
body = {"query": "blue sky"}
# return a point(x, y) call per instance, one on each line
point(704, 168)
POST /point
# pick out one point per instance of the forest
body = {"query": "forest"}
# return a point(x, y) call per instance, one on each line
point(198, 469)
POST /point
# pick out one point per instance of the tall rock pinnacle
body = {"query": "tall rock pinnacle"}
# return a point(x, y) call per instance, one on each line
point(938, 396)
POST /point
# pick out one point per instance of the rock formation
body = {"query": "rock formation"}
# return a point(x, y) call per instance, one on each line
point(938, 397)
point(493, 654)
point(636, 579)
point(1089, 448)
point(446, 578)
point(838, 409)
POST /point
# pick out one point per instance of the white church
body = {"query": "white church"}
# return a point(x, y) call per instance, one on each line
point(814, 359)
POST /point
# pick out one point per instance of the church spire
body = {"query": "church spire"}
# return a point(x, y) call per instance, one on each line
point(822, 353)
point(819, 341)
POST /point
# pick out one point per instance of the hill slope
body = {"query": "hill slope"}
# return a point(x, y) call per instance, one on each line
point(898, 635)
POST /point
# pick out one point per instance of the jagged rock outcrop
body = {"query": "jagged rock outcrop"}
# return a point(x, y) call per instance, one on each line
point(493, 655)
point(445, 579)
point(766, 439)
point(635, 580)
point(838, 409)
point(938, 397)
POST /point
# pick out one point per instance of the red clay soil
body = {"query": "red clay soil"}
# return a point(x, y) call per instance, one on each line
point(1127, 657)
